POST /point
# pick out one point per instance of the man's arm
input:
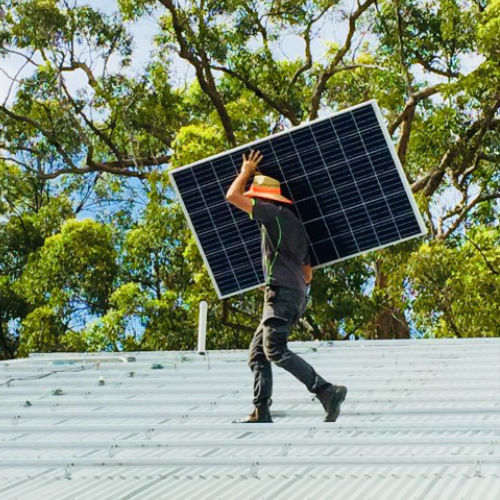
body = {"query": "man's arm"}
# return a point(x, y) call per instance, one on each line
point(235, 192)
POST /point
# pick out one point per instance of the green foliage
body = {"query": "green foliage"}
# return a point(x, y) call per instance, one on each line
point(132, 9)
point(28, 214)
point(42, 331)
point(68, 278)
point(489, 28)
point(74, 269)
point(106, 122)
point(454, 289)
point(430, 31)
point(194, 142)
point(334, 291)
point(133, 277)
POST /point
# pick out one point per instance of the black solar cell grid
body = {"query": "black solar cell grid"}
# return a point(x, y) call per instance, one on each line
point(343, 176)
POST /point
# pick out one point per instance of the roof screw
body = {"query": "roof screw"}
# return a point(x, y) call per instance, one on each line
point(27, 404)
point(102, 381)
point(478, 468)
point(284, 450)
point(67, 471)
point(254, 469)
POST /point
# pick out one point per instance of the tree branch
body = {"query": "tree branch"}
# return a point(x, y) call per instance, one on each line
point(328, 72)
point(260, 27)
point(308, 62)
point(104, 137)
point(412, 101)
point(402, 58)
point(49, 135)
point(432, 180)
point(15, 160)
point(478, 248)
point(318, 332)
point(429, 218)
point(88, 193)
point(85, 68)
point(202, 69)
point(278, 106)
point(118, 167)
point(28, 58)
point(465, 211)
point(437, 71)
point(224, 320)
point(491, 158)
point(307, 39)
point(14, 79)
point(405, 135)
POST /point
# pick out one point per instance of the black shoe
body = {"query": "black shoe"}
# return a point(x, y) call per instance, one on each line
point(331, 398)
point(260, 415)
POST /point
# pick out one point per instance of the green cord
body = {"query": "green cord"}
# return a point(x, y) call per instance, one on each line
point(270, 267)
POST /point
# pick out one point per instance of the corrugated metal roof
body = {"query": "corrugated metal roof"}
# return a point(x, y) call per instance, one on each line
point(421, 421)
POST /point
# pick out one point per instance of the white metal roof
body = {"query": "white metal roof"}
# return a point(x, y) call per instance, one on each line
point(421, 421)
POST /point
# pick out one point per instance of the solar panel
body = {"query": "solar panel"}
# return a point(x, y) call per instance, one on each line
point(343, 175)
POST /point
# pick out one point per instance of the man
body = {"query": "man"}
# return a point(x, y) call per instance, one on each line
point(287, 273)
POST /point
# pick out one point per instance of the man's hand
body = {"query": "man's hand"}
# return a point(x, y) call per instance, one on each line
point(308, 273)
point(250, 164)
point(235, 192)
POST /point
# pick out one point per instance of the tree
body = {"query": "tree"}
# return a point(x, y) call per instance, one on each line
point(83, 145)
point(453, 288)
point(69, 279)
point(104, 127)
point(446, 143)
point(28, 214)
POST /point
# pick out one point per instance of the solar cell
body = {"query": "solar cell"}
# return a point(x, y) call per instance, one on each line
point(344, 178)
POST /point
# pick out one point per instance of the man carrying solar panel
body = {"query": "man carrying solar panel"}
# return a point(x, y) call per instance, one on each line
point(287, 272)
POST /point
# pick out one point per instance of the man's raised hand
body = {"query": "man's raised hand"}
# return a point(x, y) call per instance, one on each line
point(250, 164)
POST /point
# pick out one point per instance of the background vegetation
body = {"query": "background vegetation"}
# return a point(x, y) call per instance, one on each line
point(94, 250)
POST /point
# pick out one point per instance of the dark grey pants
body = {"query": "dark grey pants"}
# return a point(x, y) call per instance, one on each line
point(282, 308)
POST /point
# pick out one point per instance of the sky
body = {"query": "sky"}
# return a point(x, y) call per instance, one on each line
point(143, 32)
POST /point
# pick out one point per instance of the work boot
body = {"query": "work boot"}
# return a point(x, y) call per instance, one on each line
point(331, 398)
point(260, 414)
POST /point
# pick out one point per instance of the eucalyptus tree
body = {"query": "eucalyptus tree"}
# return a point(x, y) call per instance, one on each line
point(437, 87)
point(407, 54)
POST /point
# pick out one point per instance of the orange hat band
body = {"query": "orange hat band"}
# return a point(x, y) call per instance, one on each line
point(264, 189)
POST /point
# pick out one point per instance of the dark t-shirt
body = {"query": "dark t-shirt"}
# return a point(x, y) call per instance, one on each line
point(284, 245)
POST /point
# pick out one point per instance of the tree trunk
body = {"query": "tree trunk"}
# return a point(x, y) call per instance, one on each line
point(390, 322)
point(6, 351)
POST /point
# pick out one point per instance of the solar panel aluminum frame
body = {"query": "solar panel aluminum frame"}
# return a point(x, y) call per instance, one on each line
point(254, 145)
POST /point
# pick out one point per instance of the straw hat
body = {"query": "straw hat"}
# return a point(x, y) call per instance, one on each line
point(267, 188)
